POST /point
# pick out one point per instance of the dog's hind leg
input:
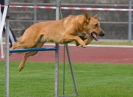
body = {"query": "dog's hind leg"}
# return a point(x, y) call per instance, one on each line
point(22, 64)
point(19, 45)
point(27, 42)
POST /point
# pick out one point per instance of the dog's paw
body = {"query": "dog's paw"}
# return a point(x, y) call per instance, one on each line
point(20, 68)
point(84, 46)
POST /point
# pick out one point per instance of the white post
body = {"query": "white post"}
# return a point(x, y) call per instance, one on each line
point(1, 40)
point(3, 20)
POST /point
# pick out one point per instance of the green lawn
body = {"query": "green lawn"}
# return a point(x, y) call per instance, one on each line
point(93, 80)
point(120, 43)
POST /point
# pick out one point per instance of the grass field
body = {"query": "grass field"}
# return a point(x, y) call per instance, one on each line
point(107, 42)
point(93, 80)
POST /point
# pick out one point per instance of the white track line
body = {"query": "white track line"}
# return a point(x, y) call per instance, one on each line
point(120, 46)
point(90, 45)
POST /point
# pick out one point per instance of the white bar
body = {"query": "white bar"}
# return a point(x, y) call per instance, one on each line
point(3, 21)
point(100, 8)
point(53, 7)
point(2, 51)
point(30, 6)
point(1, 41)
point(77, 8)
point(65, 8)
point(74, 8)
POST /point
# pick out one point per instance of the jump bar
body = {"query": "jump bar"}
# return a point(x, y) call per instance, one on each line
point(33, 49)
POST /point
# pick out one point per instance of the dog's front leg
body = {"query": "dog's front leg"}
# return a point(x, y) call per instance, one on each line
point(86, 40)
point(68, 38)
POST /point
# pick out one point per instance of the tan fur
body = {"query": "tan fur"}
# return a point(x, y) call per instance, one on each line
point(58, 31)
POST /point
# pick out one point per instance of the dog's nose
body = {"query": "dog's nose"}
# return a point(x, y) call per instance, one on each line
point(102, 33)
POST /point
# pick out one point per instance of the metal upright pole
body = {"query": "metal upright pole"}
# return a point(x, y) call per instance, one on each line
point(35, 11)
point(57, 55)
point(7, 52)
point(130, 21)
point(72, 70)
point(56, 91)
point(58, 4)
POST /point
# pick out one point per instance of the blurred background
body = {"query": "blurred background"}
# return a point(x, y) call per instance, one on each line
point(114, 23)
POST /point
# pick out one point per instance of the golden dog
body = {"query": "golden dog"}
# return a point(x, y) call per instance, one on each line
point(81, 28)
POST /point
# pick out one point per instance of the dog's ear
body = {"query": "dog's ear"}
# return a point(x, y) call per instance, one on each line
point(87, 15)
point(96, 16)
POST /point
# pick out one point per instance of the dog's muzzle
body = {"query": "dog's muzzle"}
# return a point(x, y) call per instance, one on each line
point(102, 33)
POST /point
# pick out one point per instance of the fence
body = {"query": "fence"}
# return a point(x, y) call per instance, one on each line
point(114, 21)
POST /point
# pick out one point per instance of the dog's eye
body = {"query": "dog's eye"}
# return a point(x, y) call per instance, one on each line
point(96, 25)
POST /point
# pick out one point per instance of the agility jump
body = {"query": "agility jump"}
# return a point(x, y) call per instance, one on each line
point(11, 51)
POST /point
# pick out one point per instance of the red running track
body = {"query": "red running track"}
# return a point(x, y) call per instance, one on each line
point(91, 54)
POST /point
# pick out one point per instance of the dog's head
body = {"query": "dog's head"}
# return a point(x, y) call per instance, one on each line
point(92, 26)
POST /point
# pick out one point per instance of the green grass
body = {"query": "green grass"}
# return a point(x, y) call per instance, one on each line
point(121, 43)
point(93, 80)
